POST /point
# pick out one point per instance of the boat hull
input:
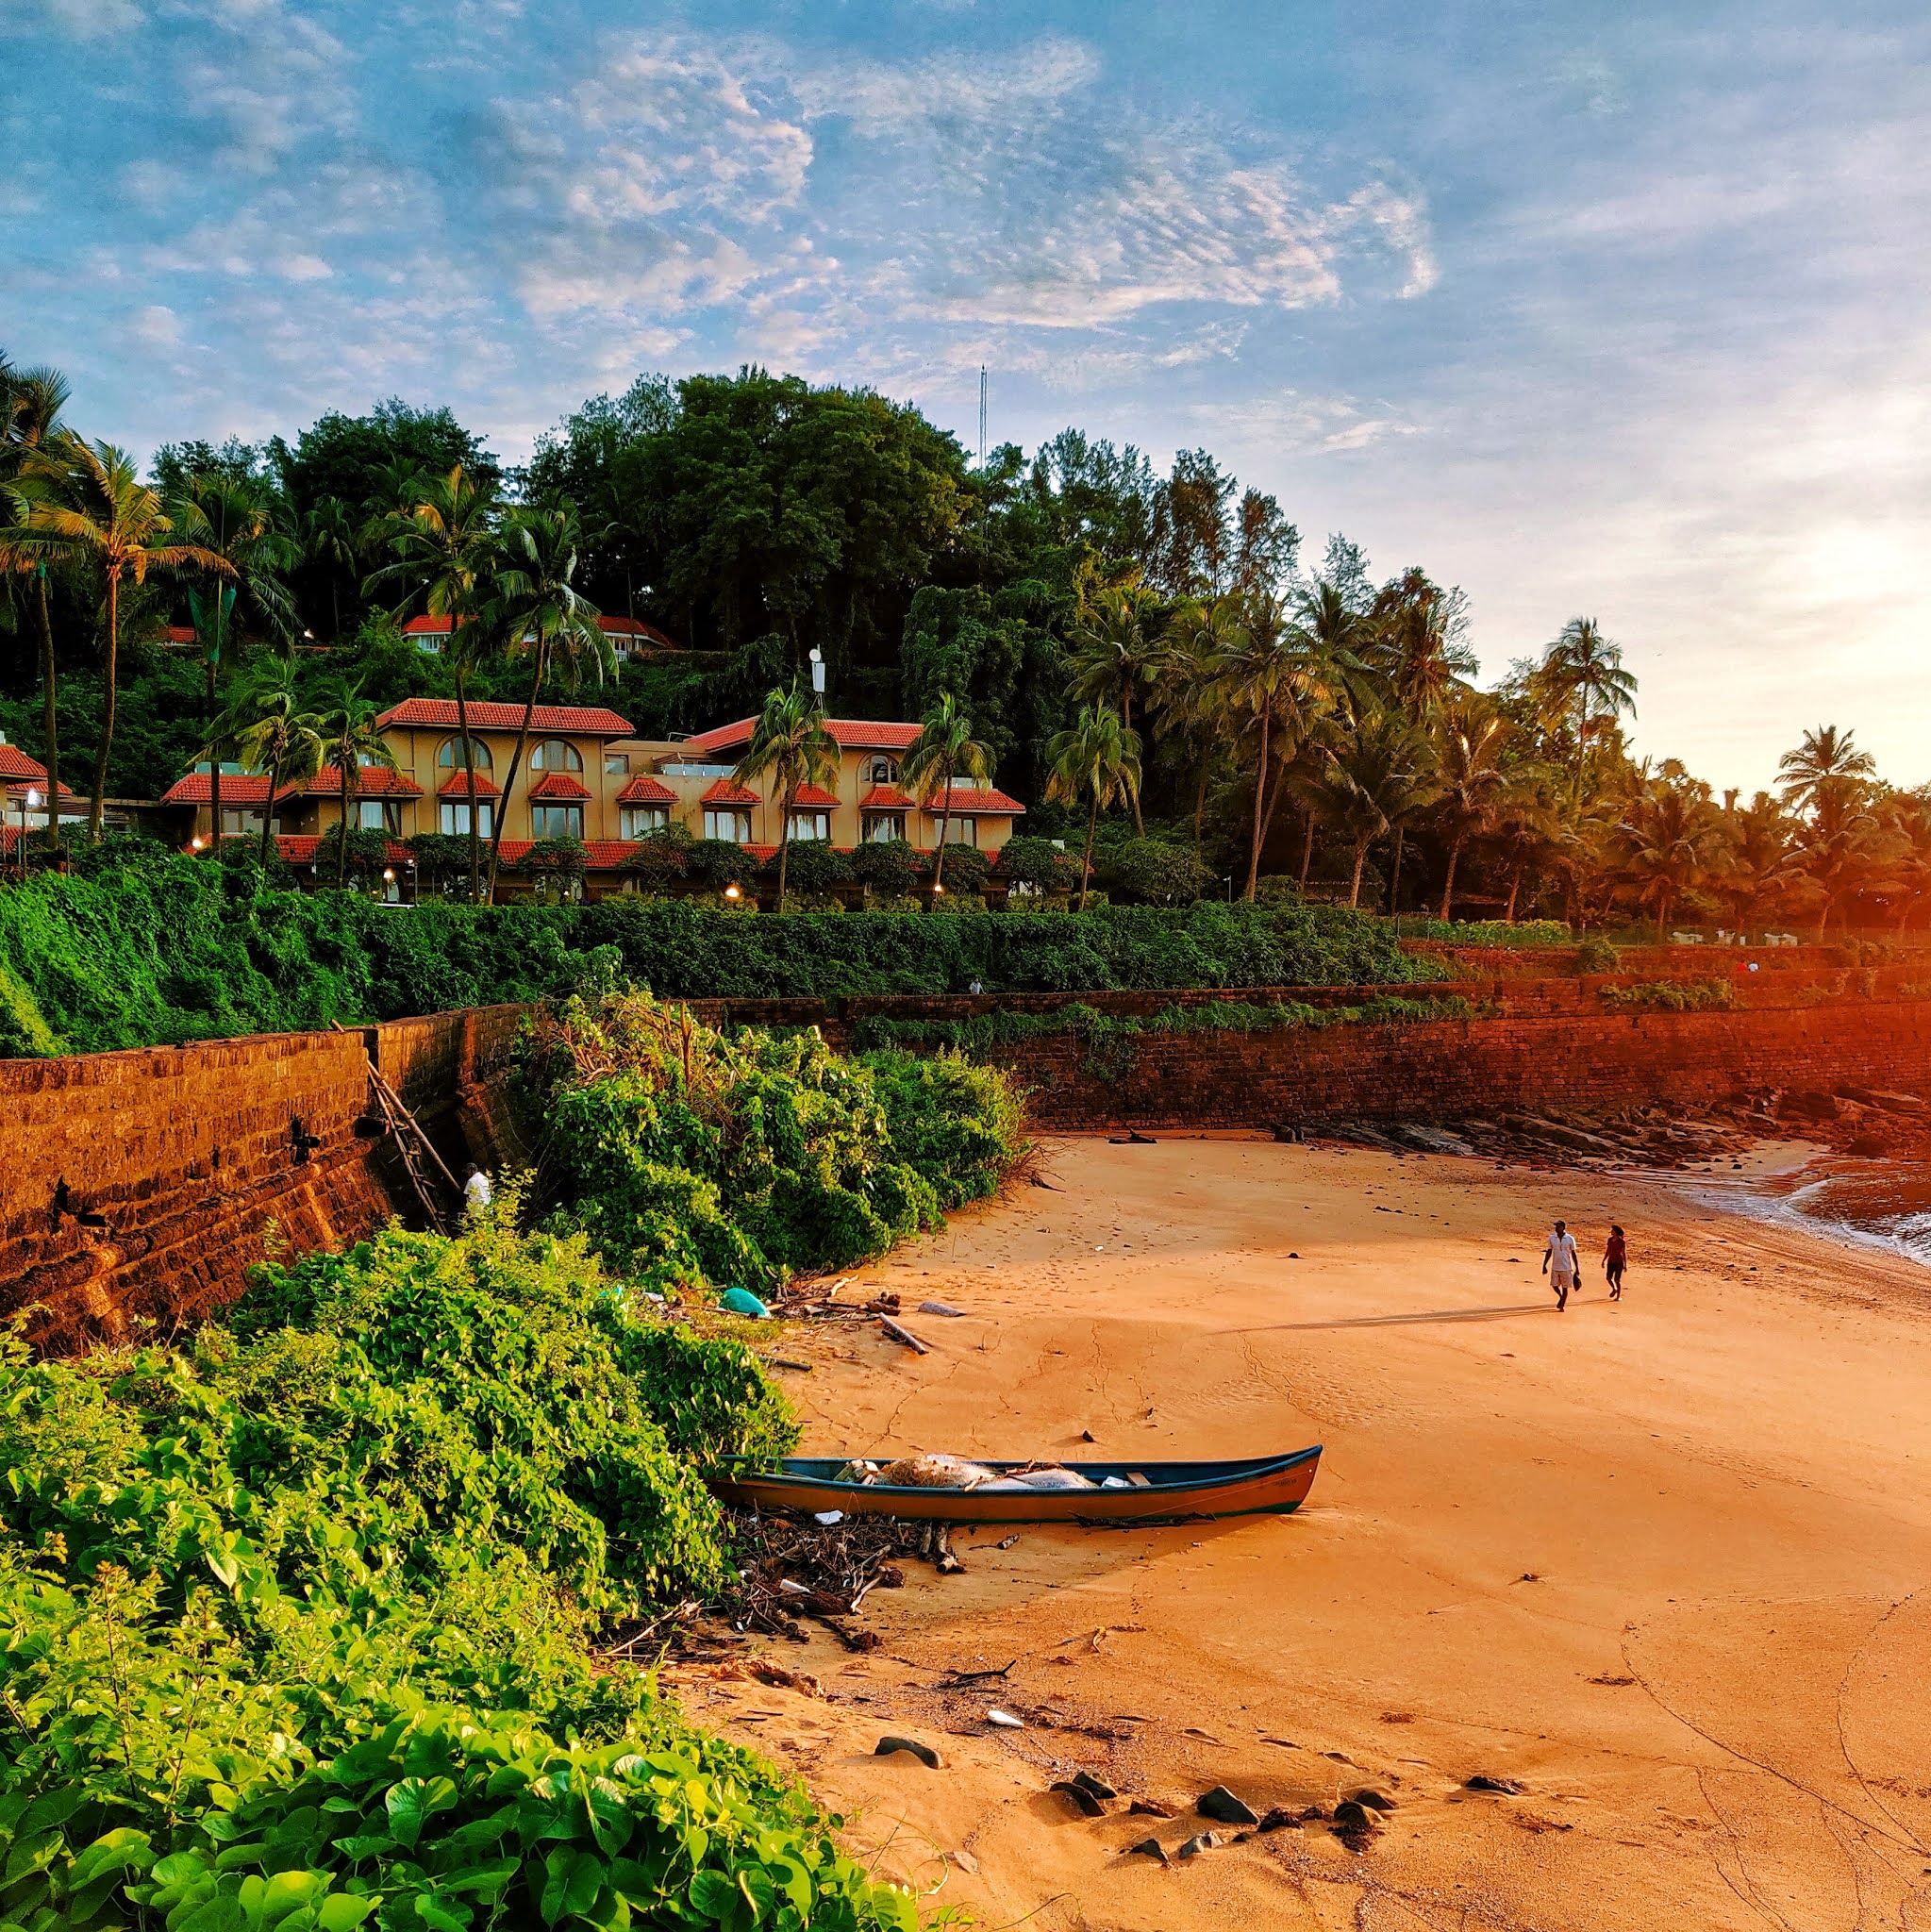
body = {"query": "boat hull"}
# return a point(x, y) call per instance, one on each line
point(1172, 1492)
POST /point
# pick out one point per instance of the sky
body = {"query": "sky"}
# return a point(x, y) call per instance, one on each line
point(1608, 312)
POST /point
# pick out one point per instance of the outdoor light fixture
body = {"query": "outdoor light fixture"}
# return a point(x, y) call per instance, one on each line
point(389, 874)
point(938, 890)
point(29, 801)
point(732, 892)
point(194, 843)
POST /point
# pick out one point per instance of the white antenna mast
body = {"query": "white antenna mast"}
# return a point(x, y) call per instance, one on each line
point(982, 415)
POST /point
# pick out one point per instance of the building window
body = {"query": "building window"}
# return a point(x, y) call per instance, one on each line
point(881, 772)
point(456, 817)
point(883, 826)
point(450, 758)
point(234, 823)
point(732, 826)
point(640, 820)
point(962, 832)
point(557, 821)
point(616, 764)
point(811, 824)
point(556, 754)
point(379, 815)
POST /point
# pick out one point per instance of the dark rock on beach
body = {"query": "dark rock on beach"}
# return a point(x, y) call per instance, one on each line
point(1222, 1805)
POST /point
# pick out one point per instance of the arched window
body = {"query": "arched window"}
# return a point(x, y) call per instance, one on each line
point(556, 754)
point(881, 772)
point(450, 758)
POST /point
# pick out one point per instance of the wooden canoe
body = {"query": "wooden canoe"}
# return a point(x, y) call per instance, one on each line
point(1158, 1492)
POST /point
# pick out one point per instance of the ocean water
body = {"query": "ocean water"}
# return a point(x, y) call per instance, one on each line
point(1882, 1204)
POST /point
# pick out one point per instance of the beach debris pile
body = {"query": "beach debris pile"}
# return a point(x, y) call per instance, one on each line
point(796, 1567)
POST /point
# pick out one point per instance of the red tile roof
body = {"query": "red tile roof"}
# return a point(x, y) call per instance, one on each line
point(376, 781)
point(439, 714)
point(643, 790)
point(885, 798)
point(993, 802)
point(559, 784)
point(636, 627)
point(428, 627)
point(862, 734)
point(814, 794)
point(238, 787)
point(299, 849)
point(457, 786)
point(15, 763)
point(725, 792)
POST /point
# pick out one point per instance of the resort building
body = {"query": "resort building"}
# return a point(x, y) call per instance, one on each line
point(628, 637)
point(23, 799)
point(587, 777)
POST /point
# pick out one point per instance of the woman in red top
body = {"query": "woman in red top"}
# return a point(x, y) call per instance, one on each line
point(1615, 1258)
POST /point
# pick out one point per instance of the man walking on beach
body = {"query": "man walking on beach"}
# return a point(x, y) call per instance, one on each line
point(1559, 1264)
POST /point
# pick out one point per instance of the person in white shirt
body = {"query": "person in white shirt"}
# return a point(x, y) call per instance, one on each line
point(476, 1190)
point(1559, 1264)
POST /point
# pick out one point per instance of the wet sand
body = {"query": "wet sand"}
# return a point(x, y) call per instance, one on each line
point(1665, 1563)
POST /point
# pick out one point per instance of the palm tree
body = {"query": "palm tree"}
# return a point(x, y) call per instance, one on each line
point(95, 509)
point(273, 734)
point(944, 749)
point(1413, 638)
point(1663, 844)
point(1581, 684)
point(536, 611)
point(1526, 827)
point(790, 743)
point(347, 725)
point(1378, 778)
point(1471, 780)
point(1097, 757)
point(241, 521)
point(444, 548)
point(30, 405)
point(331, 538)
point(1189, 697)
point(1276, 677)
point(1826, 765)
point(1113, 655)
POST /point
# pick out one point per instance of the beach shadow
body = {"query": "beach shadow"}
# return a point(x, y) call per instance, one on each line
point(1402, 1321)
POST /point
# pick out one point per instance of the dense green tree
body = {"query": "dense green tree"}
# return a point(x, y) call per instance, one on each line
point(777, 507)
point(1095, 758)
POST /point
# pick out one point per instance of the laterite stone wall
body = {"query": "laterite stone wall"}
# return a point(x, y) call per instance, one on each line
point(180, 1164)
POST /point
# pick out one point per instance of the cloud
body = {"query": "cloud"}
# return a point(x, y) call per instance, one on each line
point(157, 327)
point(73, 20)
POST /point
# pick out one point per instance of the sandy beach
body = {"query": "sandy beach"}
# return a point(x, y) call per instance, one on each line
point(1661, 1563)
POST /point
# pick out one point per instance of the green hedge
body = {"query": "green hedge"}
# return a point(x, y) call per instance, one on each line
point(1488, 932)
point(159, 949)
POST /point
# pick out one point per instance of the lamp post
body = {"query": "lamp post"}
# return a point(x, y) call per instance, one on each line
point(29, 800)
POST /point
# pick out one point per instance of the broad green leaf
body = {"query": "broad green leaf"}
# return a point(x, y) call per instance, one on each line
point(714, 1895)
point(573, 1880)
point(340, 1911)
point(610, 1817)
point(488, 1881)
point(413, 1802)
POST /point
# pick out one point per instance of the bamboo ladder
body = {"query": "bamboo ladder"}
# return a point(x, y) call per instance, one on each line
point(412, 1144)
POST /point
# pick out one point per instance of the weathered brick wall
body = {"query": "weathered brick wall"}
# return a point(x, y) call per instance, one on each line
point(1449, 1069)
point(179, 1161)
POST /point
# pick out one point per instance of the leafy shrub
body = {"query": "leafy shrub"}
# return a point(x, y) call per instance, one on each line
point(814, 865)
point(695, 1162)
point(660, 857)
point(556, 859)
point(1149, 871)
point(291, 1627)
point(887, 868)
point(1672, 995)
point(1488, 932)
point(443, 862)
point(965, 872)
point(718, 862)
point(1596, 956)
point(1038, 864)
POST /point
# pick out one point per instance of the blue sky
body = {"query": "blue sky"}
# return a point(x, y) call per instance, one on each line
point(1616, 311)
